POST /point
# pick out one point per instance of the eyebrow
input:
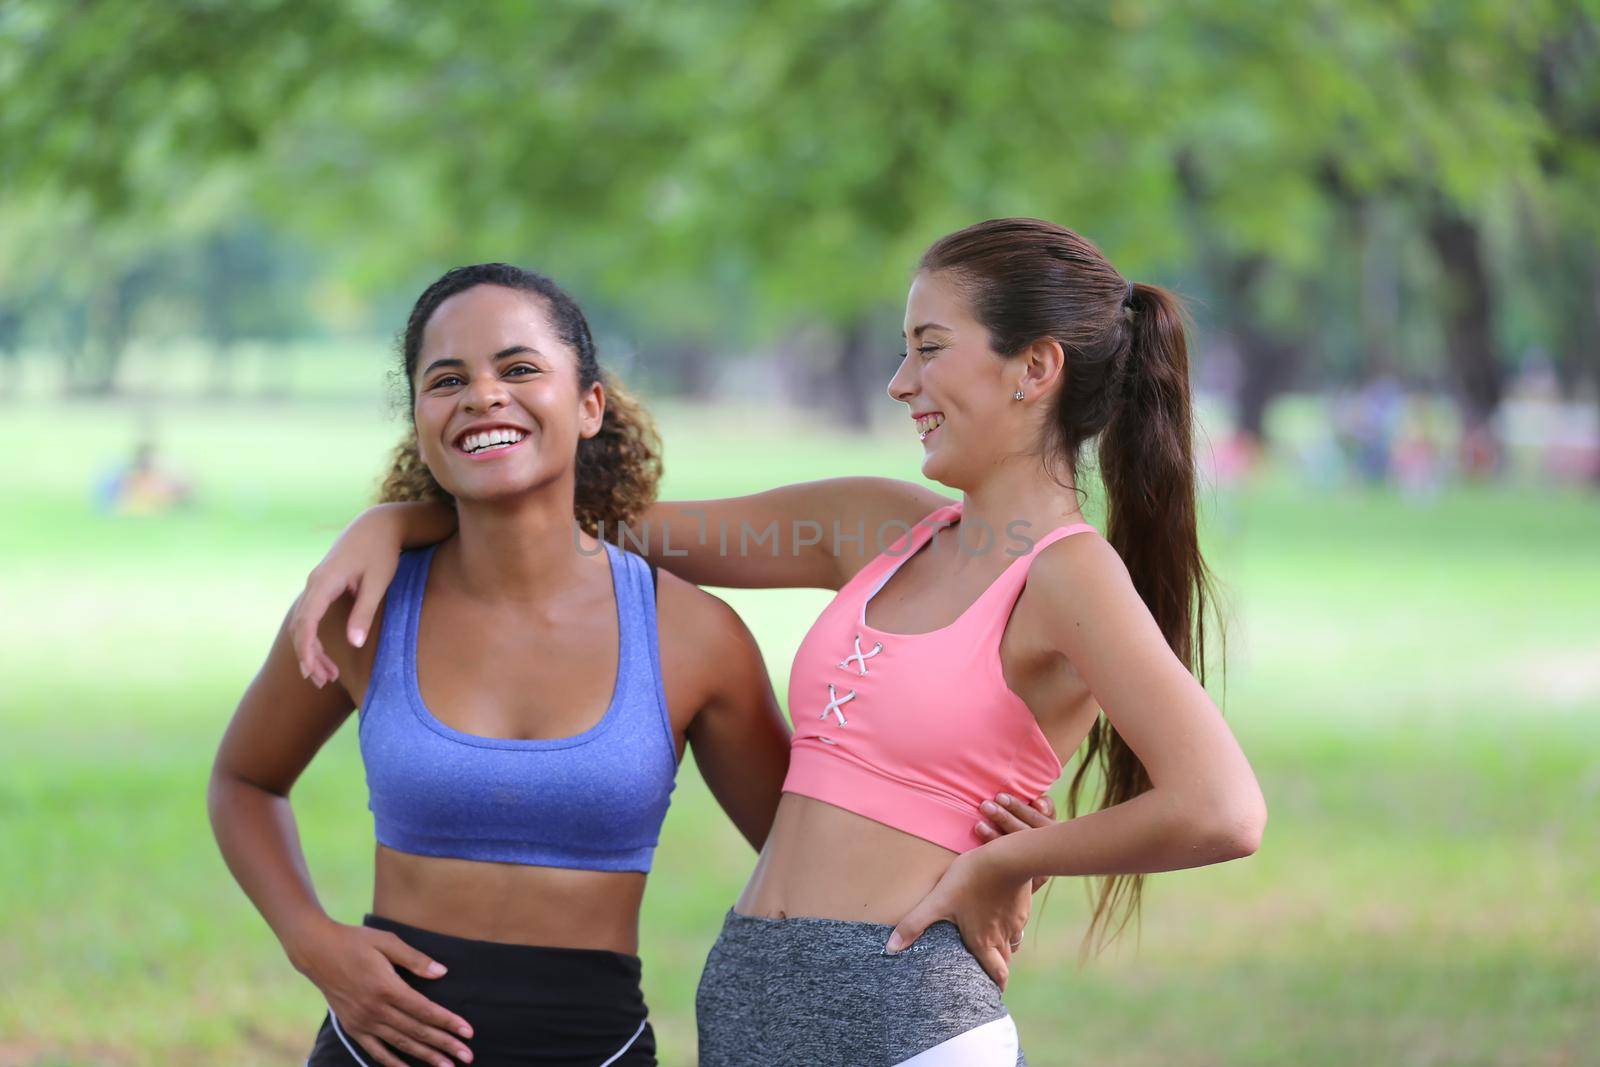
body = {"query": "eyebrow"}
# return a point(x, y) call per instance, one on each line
point(930, 326)
point(504, 353)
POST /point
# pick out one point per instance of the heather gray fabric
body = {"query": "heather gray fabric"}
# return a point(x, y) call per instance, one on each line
point(822, 993)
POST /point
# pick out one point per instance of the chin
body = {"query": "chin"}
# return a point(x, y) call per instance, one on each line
point(947, 471)
point(934, 467)
point(494, 489)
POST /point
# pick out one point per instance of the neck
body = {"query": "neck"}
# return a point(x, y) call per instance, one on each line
point(1019, 492)
point(521, 550)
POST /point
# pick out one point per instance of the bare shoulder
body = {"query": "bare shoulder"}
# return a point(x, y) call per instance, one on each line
point(1079, 577)
point(690, 616)
point(1080, 594)
point(707, 651)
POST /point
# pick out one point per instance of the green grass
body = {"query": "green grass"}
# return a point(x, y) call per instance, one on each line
point(1417, 686)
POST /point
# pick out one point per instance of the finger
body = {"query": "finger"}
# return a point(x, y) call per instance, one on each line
point(326, 669)
point(368, 595)
point(1027, 814)
point(435, 1039)
point(330, 670)
point(1045, 805)
point(397, 1038)
point(313, 604)
point(323, 669)
point(985, 831)
point(907, 930)
point(1001, 818)
point(403, 955)
point(420, 1007)
point(377, 1051)
point(996, 963)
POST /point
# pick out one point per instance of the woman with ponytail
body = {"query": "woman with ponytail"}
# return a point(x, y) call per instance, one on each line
point(973, 647)
point(524, 708)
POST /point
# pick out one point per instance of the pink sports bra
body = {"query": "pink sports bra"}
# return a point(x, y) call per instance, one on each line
point(916, 730)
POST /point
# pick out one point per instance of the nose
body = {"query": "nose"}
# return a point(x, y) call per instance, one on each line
point(901, 386)
point(484, 392)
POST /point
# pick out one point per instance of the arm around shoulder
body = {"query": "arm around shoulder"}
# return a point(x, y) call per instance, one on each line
point(807, 535)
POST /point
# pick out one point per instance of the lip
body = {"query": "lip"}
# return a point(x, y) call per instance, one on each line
point(481, 457)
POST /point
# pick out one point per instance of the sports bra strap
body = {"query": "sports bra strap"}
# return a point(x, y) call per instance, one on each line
point(400, 606)
point(1007, 589)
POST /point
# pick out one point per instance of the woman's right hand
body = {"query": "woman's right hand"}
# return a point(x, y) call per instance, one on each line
point(354, 967)
point(361, 562)
point(1005, 814)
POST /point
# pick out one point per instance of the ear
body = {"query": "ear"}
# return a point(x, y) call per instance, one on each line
point(591, 410)
point(1043, 364)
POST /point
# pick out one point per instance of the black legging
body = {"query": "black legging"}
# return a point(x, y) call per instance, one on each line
point(555, 1007)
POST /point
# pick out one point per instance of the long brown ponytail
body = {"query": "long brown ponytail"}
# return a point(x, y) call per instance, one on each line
point(618, 469)
point(1127, 385)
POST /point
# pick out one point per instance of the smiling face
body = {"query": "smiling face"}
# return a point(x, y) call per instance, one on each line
point(958, 390)
point(498, 409)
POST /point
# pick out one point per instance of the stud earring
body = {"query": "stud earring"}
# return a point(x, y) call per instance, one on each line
point(1017, 395)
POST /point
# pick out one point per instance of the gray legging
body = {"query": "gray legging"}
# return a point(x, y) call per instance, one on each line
point(822, 992)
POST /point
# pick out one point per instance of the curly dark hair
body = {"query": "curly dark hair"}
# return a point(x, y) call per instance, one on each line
point(619, 469)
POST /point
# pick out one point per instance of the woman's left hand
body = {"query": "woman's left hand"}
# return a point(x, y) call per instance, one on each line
point(989, 908)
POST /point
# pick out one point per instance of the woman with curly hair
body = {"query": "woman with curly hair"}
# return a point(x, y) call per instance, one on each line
point(522, 714)
point(977, 651)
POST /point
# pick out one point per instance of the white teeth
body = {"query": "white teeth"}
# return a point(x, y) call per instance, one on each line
point(486, 439)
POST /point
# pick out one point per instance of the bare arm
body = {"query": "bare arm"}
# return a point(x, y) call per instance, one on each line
point(1205, 805)
point(738, 734)
point(281, 723)
point(808, 535)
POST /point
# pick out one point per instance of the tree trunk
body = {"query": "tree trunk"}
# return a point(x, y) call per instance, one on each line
point(690, 368)
point(1380, 292)
point(854, 379)
point(110, 315)
point(1267, 364)
point(73, 338)
point(10, 340)
point(1467, 304)
point(217, 312)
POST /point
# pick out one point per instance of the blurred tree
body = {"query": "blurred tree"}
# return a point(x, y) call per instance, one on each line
point(1568, 94)
point(720, 174)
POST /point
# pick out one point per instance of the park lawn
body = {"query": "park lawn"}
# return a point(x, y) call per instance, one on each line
point(1416, 683)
